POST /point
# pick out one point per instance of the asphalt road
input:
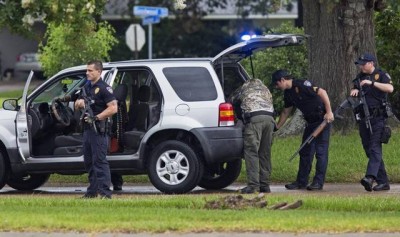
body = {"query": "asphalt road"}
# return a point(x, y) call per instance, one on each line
point(134, 189)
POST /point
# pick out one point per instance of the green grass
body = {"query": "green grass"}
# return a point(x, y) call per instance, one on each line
point(9, 95)
point(185, 213)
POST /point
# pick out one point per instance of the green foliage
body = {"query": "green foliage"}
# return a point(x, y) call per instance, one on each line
point(73, 36)
point(19, 16)
point(69, 45)
point(394, 4)
point(294, 59)
point(388, 46)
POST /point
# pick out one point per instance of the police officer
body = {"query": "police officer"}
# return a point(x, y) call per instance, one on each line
point(117, 181)
point(95, 141)
point(375, 84)
point(255, 101)
point(314, 103)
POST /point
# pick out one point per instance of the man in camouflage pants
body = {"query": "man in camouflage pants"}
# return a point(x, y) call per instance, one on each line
point(255, 101)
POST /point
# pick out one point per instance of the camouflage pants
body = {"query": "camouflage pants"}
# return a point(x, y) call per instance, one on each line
point(257, 150)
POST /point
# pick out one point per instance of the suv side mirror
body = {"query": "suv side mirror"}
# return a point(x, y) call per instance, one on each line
point(10, 104)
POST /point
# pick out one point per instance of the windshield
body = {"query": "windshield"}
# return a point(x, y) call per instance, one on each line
point(66, 86)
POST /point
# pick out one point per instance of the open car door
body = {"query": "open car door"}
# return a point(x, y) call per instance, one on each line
point(22, 119)
point(109, 77)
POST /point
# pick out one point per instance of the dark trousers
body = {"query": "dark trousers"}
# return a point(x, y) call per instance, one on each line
point(257, 150)
point(373, 148)
point(318, 147)
point(96, 164)
point(116, 179)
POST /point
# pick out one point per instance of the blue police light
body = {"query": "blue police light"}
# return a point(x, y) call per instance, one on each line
point(247, 37)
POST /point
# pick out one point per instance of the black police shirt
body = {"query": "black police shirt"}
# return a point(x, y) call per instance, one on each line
point(303, 95)
point(101, 94)
point(373, 95)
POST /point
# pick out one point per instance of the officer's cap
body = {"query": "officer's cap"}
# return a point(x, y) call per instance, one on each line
point(363, 59)
point(277, 75)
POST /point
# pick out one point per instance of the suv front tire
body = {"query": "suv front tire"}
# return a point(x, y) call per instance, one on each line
point(174, 167)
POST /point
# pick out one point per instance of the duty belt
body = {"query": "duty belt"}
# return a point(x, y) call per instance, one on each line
point(262, 112)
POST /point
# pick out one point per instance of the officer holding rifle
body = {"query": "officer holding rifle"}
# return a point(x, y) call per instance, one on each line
point(98, 102)
point(372, 86)
point(314, 103)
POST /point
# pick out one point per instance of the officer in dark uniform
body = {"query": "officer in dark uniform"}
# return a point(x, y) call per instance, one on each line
point(314, 103)
point(375, 84)
point(95, 141)
point(117, 181)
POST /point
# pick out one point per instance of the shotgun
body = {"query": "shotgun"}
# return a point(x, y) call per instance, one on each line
point(348, 103)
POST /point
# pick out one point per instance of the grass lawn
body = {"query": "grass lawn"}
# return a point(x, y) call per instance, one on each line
point(186, 213)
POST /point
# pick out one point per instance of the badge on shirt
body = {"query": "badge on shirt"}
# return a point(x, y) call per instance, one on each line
point(307, 83)
point(110, 90)
point(96, 90)
point(376, 77)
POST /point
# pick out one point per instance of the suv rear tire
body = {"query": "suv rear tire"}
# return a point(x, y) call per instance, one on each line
point(221, 175)
point(28, 182)
point(174, 167)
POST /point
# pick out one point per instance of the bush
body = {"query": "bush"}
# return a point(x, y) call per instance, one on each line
point(68, 46)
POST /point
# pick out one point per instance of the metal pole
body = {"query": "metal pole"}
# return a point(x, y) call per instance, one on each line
point(150, 40)
point(136, 48)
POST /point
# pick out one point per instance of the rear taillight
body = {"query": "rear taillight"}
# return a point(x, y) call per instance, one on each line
point(226, 116)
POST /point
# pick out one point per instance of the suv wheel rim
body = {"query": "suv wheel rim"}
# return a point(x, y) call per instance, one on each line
point(172, 167)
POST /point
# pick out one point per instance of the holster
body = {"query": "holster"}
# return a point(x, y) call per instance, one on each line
point(386, 134)
point(101, 127)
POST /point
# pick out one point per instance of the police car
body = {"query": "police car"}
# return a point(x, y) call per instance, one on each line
point(173, 123)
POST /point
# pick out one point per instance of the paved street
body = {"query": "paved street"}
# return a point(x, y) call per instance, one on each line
point(130, 189)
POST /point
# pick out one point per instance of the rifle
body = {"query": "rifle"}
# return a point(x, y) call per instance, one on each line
point(363, 101)
point(88, 110)
point(348, 103)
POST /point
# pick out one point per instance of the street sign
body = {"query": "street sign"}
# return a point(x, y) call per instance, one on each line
point(150, 20)
point(150, 11)
point(135, 37)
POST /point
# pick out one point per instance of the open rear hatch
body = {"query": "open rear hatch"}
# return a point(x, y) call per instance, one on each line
point(245, 49)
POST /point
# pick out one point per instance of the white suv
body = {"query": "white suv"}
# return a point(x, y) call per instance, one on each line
point(173, 122)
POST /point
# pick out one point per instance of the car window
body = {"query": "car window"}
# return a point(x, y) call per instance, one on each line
point(64, 86)
point(191, 83)
point(133, 79)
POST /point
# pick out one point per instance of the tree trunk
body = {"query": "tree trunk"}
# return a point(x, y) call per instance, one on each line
point(339, 33)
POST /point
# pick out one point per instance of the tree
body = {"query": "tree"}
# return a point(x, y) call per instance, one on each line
point(73, 35)
point(388, 47)
point(339, 32)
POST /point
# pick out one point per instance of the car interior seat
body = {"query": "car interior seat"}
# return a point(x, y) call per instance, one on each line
point(72, 144)
point(138, 120)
